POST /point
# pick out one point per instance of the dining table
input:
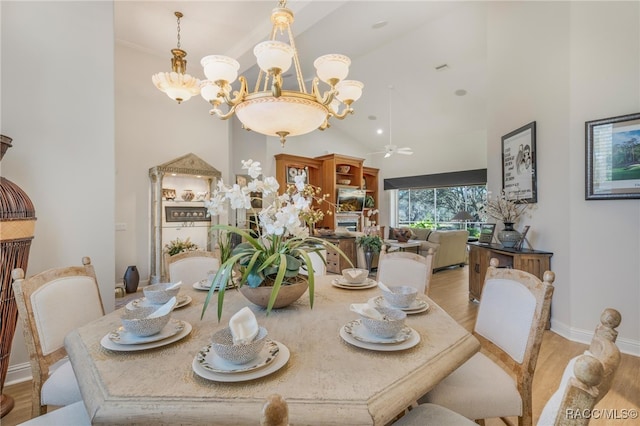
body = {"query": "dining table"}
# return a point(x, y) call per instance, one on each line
point(326, 376)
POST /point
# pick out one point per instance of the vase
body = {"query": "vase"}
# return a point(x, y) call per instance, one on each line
point(286, 295)
point(131, 279)
point(509, 237)
point(368, 257)
point(188, 195)
point(17, 222)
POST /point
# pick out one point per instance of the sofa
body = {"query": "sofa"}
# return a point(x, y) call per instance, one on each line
point(450, 247)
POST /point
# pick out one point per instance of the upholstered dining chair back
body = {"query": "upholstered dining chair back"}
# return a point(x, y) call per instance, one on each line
point(403, 268)
point(50, 305)
point(191, 266)
point(513, 312)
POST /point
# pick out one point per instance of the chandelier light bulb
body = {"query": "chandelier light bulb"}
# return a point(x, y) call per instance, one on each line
point(332, 68)
point(272, 54)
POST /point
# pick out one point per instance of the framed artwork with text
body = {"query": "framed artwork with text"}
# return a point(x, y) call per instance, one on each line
point(519, 164)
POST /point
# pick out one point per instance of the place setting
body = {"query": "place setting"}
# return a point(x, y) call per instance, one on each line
point(399, 297)
point(205, 284)
point(147, 327)
point(240, 352)
point(379, 329)
point(354, 279)
point(158, 294)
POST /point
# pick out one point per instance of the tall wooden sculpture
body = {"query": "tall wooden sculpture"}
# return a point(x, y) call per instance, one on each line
point(17, 225)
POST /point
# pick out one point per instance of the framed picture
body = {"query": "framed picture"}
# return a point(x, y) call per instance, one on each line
point(243, 180)
point(486, 233)
point(519, 180)
point(613, 158)
point(186, 214)
point(293, 171)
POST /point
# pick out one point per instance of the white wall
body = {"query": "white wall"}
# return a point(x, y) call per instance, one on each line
point(561, 64)
point(152, 129)
point(57, 105)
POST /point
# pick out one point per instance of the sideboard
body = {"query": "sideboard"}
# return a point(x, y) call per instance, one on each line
point(335, 262)
point(535, 262)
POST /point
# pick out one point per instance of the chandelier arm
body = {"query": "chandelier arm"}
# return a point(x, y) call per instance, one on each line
point(222, 116)
point(348, 110)
point(325, 99)
point(238, 94)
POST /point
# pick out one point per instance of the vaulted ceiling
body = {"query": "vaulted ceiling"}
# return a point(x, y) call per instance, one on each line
point(396, 49)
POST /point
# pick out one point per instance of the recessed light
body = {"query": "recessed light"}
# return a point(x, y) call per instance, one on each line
point(372, 117)
point(379, 25)
point(460, 92)
point(379, 131)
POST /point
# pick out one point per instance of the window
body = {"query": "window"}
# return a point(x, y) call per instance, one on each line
point(436, 207)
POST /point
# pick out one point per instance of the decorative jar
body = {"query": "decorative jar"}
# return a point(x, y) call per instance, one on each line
point(509, 237)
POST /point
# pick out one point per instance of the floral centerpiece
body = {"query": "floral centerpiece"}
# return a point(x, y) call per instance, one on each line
point(273, 254)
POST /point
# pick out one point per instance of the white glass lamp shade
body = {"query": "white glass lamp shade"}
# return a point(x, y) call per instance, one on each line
point(269, 115)
point(179, 87)
point(220, 68)
point(273, 54)
point(331, 67)
point(209, 91)
point(349, 90)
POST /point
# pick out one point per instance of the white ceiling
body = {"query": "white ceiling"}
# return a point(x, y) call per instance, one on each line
point(419, 36)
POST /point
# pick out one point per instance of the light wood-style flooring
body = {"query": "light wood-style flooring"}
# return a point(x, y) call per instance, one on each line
point(449, 289)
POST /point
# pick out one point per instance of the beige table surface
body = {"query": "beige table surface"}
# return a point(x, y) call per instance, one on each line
point(326, 380)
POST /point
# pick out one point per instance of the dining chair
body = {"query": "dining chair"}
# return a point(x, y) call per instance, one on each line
point(190, 266)
point(50, 305)
point(318, 262)
point(403, 268)
point(275, 412)
point(510, 324)
point(70, 415)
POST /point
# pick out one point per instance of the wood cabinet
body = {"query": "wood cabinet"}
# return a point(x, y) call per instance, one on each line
point(330, 172)
point(533, 261)
point(335, 262)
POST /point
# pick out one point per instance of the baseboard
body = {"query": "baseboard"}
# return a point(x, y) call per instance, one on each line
point(18, 373)
point(627, 346)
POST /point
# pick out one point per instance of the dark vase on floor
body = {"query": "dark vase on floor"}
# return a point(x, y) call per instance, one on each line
point(368, 257)
point(131, 279)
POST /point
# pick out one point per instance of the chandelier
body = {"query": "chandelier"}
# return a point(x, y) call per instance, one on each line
point(270, 109)
point(176, 84)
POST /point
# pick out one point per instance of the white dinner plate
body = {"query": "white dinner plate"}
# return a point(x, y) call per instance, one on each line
point(204, 285)
point(358, 331)
point(108, 344)
point(418, 305)
point(182, 300)
point(413, 340)
point(370, 284)
point(124, 337)
point(344, 282)
point(210, 361)
point(277, 364)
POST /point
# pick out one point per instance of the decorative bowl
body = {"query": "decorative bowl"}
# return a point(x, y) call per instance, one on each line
point(222, 344)
point(389, 326)
point(135, 321)
point(158, 293)
point(400, 296)
point(344, 181)
point(344, 169)
point(169, 193)
point(355, 275)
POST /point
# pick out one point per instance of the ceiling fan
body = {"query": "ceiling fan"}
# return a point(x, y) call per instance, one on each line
point(391, 149)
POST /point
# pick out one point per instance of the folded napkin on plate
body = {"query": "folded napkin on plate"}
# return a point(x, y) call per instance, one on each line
point(244, 326)
point(366, 310)
point(164, 309)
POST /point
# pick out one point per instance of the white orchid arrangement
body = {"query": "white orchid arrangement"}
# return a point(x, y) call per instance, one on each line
point(283, 243)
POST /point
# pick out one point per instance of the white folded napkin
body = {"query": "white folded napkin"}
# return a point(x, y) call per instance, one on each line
point(174, 285)
point(244, 326)
point(366, 310)
point(353, 273)
point(164, 309)
point(384, 287)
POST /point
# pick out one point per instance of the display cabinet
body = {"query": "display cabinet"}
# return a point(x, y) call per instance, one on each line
point(178, 191)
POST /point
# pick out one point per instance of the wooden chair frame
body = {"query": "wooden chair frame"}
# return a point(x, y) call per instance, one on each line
point(23, 289)
point(427, 260)
point(523, 373)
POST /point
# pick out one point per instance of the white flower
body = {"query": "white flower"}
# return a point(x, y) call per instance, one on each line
point(300, 181)
point(253, 168)
point(270, 185)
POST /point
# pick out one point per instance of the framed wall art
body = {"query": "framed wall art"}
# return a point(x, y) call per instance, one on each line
point(613, 158)
point(186, 214)
point(486, 233)
point(293, 171)
point(519, 180)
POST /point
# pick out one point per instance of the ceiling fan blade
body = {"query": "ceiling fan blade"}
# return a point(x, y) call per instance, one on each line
point(405, 148)
point(405, 152)
point(387, 155)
